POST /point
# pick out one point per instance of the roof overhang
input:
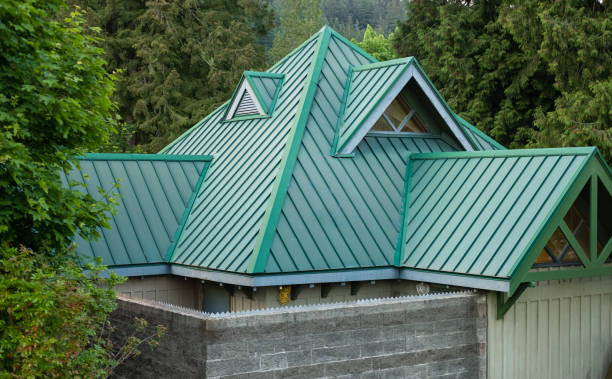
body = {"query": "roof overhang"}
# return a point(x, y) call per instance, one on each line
point(298, 278)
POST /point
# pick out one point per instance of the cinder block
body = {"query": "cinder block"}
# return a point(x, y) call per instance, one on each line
point(231, 366)
point(334, 354)
point(226, 350)
point(394, 317)
point(348, 367)
point(273, 361)
point(299, 358)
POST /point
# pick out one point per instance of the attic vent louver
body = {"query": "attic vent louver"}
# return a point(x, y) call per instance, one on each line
point(256, 95)
point(246, 106)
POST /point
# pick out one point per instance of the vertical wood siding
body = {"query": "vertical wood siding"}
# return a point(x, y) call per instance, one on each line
point(559, 329)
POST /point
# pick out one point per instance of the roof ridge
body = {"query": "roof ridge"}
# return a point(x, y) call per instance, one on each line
point(465, 124)
point(506, 153)
point(392, 62)
point(261, 251)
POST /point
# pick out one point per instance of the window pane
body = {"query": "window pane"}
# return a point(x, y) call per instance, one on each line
point(397, 111)
point(604, 221)
point(414, 125)
point(382, 126)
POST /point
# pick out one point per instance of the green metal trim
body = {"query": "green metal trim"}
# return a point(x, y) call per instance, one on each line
point(570, 273)
point(264, 74)
point(340, 122)
point(504, 306)
point(231, 100)
point(342, 38)
point(350, 155)
point(186, 213)
point(297, 49)
point(261, 250)
point(375, 65)
point(522, 266)
point(474, 129)
point(401, 244)
point(574, 244)
point(444, 104)
point(279, 86)
point(507, 153)
point(358, 124)
point(593, 216)
point(145, 157)
point(604, 174)
point(245, 117)
point(258, 96)
point(190, 130)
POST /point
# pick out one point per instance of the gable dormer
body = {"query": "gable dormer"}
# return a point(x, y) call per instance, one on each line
point(393, 98)
point(399, 118)
point(255, 95)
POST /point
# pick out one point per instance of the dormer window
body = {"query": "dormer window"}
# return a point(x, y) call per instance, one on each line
point(255, 96)
point(399, 118)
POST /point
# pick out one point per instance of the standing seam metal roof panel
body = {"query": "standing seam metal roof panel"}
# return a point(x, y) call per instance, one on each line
point(475, 213)
point(154, 193)
point(342, 213)
point(226, 217)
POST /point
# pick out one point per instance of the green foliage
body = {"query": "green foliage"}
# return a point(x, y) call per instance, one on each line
point(299, 20)
point(529, 73)
point(176, 60)
point(351, 17)
point(53, 320)
point(54, 105)
point(377, 45)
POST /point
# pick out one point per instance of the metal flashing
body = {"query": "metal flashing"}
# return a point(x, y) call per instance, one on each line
point(268, 229)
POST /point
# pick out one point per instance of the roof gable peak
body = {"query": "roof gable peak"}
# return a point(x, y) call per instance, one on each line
point(373, 87)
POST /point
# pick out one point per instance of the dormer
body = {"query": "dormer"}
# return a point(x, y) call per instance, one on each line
point(255, 96)
point(393, 98)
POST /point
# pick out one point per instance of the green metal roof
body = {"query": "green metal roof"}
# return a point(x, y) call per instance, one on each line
point(279, 204)
point(476, 212)
point(266, 87)
point(368, 85)
point(341, 213)
point(227, 216)
point(480, 140)
point(155, 192)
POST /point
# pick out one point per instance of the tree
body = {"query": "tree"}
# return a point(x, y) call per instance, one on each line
point(529, 73)
point(54, 319)
point(177, 60)
point(54, 106)
point(299, 20)
point(377, 45)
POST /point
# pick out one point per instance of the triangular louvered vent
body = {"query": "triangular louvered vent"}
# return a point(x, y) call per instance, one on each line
point(246, 106)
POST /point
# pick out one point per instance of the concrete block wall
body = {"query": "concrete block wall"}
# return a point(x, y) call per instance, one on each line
point(177, 290)
point(435, 336)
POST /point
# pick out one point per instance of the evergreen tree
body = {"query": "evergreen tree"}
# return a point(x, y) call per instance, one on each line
point(377, 45)
point(298, 21)
point(530, 73)
point(178, 60)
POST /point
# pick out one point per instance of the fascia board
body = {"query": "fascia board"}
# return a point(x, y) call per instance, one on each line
point(484, 283)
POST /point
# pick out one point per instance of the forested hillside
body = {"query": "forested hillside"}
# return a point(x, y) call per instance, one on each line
point(530, 73)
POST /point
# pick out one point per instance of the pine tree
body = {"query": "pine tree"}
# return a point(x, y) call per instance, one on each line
point(377, 45)
point(299, 20)
point(177, 60)
point(530, 73)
